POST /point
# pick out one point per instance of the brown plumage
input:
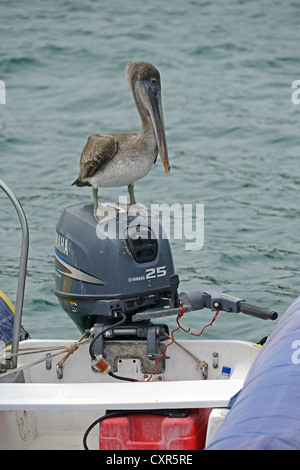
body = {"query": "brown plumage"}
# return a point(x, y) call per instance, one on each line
point(98, 150)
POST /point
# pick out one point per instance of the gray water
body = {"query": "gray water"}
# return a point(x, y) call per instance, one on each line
point(227, 69)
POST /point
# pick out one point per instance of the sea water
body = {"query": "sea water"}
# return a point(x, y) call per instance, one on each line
point(227, 69)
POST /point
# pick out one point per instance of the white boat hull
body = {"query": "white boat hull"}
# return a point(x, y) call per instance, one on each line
point(50, 412)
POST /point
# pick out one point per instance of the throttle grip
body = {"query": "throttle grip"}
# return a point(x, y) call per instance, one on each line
point(264, 313)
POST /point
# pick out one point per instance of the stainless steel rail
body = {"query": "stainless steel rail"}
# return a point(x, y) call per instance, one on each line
point(22, 271)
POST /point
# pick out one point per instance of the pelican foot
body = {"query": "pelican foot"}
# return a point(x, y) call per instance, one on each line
point(136, 209)
point(122, 207)
point(104, 213)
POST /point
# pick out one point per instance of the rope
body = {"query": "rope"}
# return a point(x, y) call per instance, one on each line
point(71, 349)
point(68, 350)
point(200, 363)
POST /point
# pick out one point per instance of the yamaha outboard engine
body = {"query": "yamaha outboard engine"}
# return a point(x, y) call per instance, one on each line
point(106, 272)
point(115, 276)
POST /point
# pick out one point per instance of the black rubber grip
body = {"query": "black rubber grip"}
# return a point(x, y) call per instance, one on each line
point(264, 313)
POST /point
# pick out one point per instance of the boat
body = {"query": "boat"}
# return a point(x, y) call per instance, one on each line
point(125, 383)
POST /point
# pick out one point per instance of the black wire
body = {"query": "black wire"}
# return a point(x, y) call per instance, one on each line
point(122, 378)
point(103, 331)
point(108, 415)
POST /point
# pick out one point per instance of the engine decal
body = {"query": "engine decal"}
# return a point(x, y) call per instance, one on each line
point(75, 273)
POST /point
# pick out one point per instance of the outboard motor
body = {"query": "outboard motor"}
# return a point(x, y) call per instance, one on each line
point(106, 272)
point(113, 277)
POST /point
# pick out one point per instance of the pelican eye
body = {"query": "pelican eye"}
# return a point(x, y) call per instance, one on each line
point(153, 81)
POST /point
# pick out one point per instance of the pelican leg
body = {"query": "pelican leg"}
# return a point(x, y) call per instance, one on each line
point(131, 194)
point(95, 195)
point(134, 208)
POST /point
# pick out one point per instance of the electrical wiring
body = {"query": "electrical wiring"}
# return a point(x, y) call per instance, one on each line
point(186, 331)
point(91, 349)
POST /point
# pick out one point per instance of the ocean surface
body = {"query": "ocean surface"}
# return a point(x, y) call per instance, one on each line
point(233, 134)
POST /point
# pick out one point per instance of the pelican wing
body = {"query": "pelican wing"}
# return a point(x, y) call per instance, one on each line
point(98, 150)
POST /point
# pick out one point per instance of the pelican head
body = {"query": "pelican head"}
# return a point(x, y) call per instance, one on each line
point(144, 81)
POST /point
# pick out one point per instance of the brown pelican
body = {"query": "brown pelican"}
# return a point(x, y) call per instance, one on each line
point(120, 159)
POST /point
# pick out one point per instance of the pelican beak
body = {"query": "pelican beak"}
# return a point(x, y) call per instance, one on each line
point(159, 127)
point(150, 96)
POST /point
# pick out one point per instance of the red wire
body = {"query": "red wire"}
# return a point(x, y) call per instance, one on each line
point(179, 316)
point(199, 334)
point(187, 331)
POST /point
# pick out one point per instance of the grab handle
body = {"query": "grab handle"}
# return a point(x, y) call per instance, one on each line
point(22, 272)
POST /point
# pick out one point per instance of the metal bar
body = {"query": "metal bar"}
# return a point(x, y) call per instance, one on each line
point(22, 272)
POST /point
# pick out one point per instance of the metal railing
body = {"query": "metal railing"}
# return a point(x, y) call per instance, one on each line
point(22, 272)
